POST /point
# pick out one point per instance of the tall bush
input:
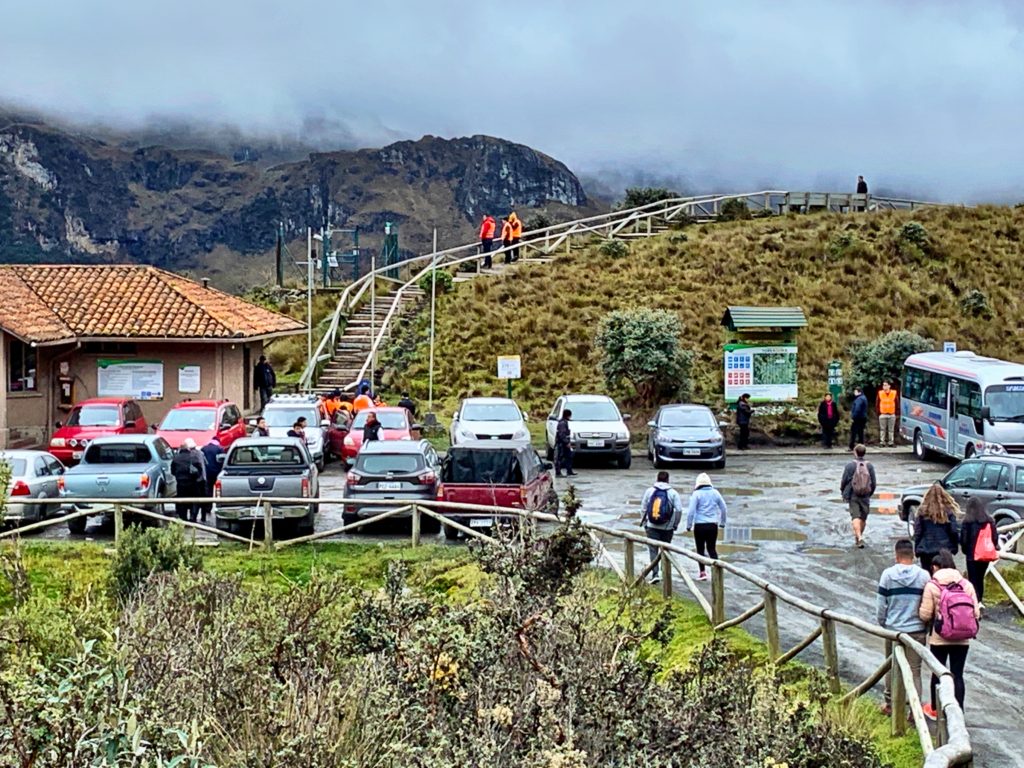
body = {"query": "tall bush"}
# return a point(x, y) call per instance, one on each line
point(142, 552)
point(881, 359)
point(641, 346)
point(638, 196)
point(445, 281)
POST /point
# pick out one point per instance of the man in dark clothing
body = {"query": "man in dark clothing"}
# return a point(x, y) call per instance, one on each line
point(487, 227)
point(261, 430)
point(298, 428)
point(407, 403)
point(744, 410)
point(264, 379)
point(189, 471)
point(862, 186)
point(828, 418)
point(213, 455)
point(371, 430)
point(563, 445)
point(857, 489)
point(858, 417)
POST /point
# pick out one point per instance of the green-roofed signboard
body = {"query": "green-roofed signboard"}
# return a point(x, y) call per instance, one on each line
point(760, 352)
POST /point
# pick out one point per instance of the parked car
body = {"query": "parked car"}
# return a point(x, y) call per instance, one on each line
point(404, 471)
point(323, 438)
point(394, 422)
point(488, 418)
point(97, 417)
point(598, 429)
point(685, 433)
point(997, 480)
point(271, 468)
point(201, 420)
point(118, 467)
point(34, 475)
point(496, 473)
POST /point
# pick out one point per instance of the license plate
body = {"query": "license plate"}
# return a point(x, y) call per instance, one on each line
point(76, 455)
point(481, 522)
point(691, 451)
point(595, 443)
point(390, 486)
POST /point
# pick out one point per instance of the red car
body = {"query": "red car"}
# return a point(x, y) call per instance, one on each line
point(94, 418)
point(201, 420)
point(394, 422)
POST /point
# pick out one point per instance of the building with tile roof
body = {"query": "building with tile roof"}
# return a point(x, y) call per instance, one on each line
point(71, 332)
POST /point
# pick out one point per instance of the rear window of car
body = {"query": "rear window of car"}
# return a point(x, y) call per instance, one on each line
point(17, 466)
point(117, 454)
point(492, 467)
point(266, 455)
point(381, 464)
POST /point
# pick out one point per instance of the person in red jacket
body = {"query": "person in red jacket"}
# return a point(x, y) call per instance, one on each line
point(487, 226)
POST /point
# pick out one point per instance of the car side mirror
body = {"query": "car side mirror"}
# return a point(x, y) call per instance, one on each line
point(724, 424)
point(526, 416)
point(651, 424)
point(416, 428)
point(57, 425)
point(325, 423)
point(455, 416)
point(252, 421)
point(986, 413)
point(547, 466)
point(129, 425)
point(626, 416)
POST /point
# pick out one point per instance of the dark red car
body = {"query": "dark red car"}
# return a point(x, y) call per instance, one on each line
point(96, 417)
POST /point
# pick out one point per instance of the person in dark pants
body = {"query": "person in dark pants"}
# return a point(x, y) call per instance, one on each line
point(828, 418)
point(189, 470)
point(979, 541)
point(213, 455)
point(563, 445)
point(661, 511)
point(705, 515)
point(858, 418)
point(744, 410)
point(264, 379)
point(857, 486)
point(516, 225)
point(862, 186)
point(371, 430)
point(506, 240)
point(487, 227)
point(935, 527)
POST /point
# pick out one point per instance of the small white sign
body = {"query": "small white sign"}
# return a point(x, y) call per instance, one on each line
point(509, 367)
point(189, 378)
point(949, 347)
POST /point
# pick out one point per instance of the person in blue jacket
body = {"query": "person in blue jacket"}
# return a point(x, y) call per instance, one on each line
point(858, 418)
point(213, 453)
point(706, 513)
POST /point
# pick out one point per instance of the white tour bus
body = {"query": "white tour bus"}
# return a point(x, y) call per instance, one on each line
point(961, 404)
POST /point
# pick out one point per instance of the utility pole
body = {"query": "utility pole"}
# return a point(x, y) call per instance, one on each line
point(373, 317)
point(279, 256)
point(433, 303)
point(309, 293)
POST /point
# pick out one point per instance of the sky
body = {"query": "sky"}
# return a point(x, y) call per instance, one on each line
point(923, 97)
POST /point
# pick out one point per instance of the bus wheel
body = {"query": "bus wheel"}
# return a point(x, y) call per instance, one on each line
point(921, 451)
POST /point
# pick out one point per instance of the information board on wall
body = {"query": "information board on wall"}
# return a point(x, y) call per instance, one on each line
point(189, 379)
point(766, 373)
point(509, 367)
point(141, 379)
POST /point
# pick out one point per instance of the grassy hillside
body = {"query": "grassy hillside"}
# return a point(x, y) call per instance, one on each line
point(855, 276)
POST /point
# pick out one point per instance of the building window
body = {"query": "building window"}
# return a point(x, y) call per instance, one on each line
point(21, 365)
point(110, 348)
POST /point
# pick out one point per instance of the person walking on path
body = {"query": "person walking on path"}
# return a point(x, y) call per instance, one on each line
point(189, 470)
point(858, 417)
point(950, 604)
point(661, 512)
point(705, 514)
point(213, 453)
point(517, 234)
point(563, 445)
point(935, 525)
point(887, 406)
point(900, 590)
point(506, 240)
point(979, 541)
point(858, 486)
point(744, 410)
point(487, 227)
point(828, 418)
point(264, 379)
point(407, 403)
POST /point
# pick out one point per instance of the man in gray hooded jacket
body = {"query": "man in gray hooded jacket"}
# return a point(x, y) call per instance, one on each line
point(660, 513)
point(899, 597)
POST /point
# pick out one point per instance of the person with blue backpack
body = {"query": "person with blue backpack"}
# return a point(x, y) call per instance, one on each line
point(706, 513)
point(662, 510)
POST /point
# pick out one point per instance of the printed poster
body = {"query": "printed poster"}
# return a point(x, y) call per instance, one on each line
point(766, 372)
point(141, 379)
point(189, 379)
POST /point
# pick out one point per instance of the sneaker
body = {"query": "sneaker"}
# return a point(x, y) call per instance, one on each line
point(656, 580)
point(860, 543)
point(886, 709)
point(929, 712)
point(559, 474)
point(702, 576)
point(570, 473)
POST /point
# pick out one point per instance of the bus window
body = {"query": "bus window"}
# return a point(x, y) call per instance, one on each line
point(968, 401)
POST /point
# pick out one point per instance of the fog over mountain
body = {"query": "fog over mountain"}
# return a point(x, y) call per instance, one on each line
point(921, 97)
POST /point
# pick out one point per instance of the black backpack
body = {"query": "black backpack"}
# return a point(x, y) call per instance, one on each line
point(659, 507)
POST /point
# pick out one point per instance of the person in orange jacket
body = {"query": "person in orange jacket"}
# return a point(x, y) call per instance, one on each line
point(886, 406)
point(506, 240)
point(487, 227)
point(517, 234)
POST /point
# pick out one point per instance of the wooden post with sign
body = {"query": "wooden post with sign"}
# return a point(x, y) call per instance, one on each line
point(509, 367)
point(835, 379)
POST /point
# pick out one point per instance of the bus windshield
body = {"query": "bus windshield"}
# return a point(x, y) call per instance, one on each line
point(1006, 402)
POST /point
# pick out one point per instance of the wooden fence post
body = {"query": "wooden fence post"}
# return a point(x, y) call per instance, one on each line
point(118, 523)
point(630, 564)
point(416, 522)
point(897, 693)
point(666, 575)
point(268, 527)
point(771, 623)
point(828, 639)
point(717, 594)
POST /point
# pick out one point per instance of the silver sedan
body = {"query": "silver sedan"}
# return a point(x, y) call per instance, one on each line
point(33, 476)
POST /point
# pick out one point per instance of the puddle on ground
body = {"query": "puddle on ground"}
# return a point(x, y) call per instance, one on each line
point(742, 533)
point(803, 506)
point(822, 551)
point(780, 484)
point(741, 491)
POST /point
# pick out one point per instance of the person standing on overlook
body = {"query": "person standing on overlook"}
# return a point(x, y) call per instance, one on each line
point(487, 226)
point(517, 234)
point(862, 186)
point(506, 240)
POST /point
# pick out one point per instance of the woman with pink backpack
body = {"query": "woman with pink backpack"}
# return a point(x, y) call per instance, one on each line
point(951, 605)
point(980, 542)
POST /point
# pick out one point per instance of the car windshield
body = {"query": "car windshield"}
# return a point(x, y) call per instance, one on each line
point(189, 420)
point(94, 416)
point(491, 412)
point(488, 467)
point(263, 455)
point(680, 417)
point(17, 466)
point(382, 464)
point(118, 453)
point(286, 417)
point(1006, 402)
point(387, 419)
point(593, 410)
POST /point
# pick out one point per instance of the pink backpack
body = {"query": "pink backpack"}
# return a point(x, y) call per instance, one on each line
point(954, 618)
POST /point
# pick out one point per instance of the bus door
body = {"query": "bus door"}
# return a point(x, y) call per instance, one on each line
point(952, 424)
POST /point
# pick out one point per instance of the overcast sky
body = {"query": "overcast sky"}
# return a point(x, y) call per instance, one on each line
point(921, 96)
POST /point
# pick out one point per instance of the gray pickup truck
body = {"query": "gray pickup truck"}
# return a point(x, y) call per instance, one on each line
point(268, 468)
point(118, 467)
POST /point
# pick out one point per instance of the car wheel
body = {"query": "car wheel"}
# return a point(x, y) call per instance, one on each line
point(921, 451)
point(910, 512)
point(625, 460)
point(720, 464)
point(306, 526)
point(429, 524)
point(347, 518)
point(549, 453)
point(77, 526)
point(659, 463)
point(321, 464)
point(451, 533)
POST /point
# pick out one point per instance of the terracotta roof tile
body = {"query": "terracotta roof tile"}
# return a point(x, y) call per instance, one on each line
point(55, 302)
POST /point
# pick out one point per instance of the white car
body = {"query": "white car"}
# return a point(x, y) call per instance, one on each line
point(597, 428)
point(488, 418)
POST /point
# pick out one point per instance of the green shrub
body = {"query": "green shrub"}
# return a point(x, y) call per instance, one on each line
point(5, 481)
point(883, 358)
point(615, 248)
point(734, 210)
point(445, 282)
point(974, 303)
point(914, 233)
point(535, 222)
point(638, 196)
point(142, 552)
point(641, 346)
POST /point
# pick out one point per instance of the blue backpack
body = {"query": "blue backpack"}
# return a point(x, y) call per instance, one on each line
point(659, 507)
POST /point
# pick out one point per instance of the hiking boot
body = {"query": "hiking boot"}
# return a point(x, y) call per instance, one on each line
point(570, 473)
point(929, 712)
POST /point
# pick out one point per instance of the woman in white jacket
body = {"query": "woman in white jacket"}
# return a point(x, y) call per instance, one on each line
point(706, 513)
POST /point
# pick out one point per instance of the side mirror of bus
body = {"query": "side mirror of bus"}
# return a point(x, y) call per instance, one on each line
point(986, 413)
